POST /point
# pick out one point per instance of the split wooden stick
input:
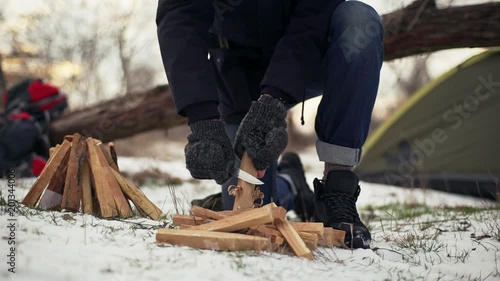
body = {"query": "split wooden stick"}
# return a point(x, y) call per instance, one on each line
point(54, 164)
point(73, 185)
point(270, 232)
point(311, 227)
point(53, 150)
point(213, 240)
point(135, 195)
point(293, 239)
point(332, 238)
point(109, 158)
point(87, 204)
point(310, 239)
point(206, 213)
point(52, 197)
point(112, 151)
point(104, 196)
point(56, 184)
point(244, 220)
point(279, 213)
point(187, 220)
point(122, 205)
point(244, 196)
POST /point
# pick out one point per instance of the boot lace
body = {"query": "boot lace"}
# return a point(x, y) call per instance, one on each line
point(342, 206)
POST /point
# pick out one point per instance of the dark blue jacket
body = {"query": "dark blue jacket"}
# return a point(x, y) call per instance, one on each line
point(293, 31)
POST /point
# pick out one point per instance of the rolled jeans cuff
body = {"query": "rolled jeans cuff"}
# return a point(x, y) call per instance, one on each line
point(331, 153)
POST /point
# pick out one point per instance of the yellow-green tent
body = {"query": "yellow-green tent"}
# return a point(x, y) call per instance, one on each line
point(446, 137)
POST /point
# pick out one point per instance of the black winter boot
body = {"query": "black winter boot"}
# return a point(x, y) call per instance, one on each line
point(335, 206)
point(290, 167)
point(212, 202)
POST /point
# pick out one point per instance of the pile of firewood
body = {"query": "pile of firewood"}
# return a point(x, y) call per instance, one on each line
point(248, 226)
point(259, 229)
point(81, 175)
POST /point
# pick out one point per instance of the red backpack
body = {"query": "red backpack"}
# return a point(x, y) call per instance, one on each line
point(43, 101)
point(30, 106)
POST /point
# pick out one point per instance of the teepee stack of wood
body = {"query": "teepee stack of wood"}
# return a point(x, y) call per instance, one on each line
point(81, 175)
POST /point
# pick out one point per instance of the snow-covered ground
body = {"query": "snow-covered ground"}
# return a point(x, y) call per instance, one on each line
point(444, 243)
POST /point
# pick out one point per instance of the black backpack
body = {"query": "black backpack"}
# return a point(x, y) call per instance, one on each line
point(19, 136)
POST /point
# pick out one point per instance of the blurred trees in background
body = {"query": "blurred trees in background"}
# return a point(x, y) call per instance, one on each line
point(91, 49)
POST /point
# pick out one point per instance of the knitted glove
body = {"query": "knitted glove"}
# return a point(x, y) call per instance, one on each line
point(209, 154)
point(262, 133)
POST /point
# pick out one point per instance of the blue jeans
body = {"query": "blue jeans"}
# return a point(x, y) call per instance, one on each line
point(348, 82)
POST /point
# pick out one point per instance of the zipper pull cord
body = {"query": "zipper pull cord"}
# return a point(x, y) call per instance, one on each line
point(302, 122)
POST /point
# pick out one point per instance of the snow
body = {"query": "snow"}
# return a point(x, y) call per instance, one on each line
point(66, 246)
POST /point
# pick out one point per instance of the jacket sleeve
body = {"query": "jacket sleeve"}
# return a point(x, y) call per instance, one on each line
point(299, 52)
point(183, 34)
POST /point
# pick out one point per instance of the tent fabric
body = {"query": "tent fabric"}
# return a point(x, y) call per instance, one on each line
point(446, 137)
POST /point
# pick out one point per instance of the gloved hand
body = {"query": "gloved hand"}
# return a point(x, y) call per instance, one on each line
point(262, 133)
point(209, 154)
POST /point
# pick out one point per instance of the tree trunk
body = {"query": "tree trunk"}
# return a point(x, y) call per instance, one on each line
point(3, 85)
point(121, 117)
point(421, 27)
point(417, 28)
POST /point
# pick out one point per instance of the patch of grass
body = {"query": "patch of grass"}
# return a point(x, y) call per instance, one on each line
point(53, 218)
point(407, 211)
point(177, 202)
point(422, 241)
point(107, 269)
point(37, 231)
point(134, 262)
point(237, 260)
point(461, 225)
point(467, 210)
point(166, 217)
point(3, 201)
point(460, 256)
point(398, 211)
point(493, 225)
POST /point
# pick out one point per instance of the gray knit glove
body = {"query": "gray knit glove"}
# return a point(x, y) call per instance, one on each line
point(262, 133)
point(209, 154)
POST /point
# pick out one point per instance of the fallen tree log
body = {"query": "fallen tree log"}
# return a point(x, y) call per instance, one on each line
point(120, 117)
point(418, 28)
point(422, 27)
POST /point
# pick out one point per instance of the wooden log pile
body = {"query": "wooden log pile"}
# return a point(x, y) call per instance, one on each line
point(259, 229)
point(249, 227)
point(81, 175)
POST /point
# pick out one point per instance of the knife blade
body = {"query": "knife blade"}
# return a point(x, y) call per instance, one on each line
point(239, 173)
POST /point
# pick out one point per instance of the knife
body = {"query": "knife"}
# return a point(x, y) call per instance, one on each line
point(242, 175)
